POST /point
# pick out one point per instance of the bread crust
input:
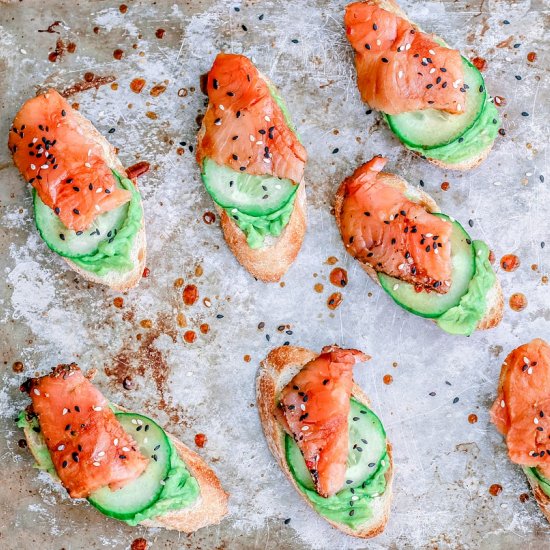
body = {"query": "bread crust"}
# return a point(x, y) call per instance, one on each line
point(268, 263)
point(543, 500)
point(115, 280)
point(393, 7)
point(495, 300)
point(280, 365)
point(211, 505)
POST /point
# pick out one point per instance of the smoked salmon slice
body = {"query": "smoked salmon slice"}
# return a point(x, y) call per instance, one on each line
point(55, 151)
point(381, 227)
point(314, 408)
point(521, 411)
point(88, 446)
point(400, 68)
point(245, 128)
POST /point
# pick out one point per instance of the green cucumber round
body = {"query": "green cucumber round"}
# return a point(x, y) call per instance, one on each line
point(143, 492)
point(433, 304)
point(69, 243)
point(250, 194)
point(367, 447)
point(432, 128)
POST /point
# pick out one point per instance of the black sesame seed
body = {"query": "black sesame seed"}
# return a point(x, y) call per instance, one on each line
point(295, 41)
point(244, 28)
point(63, 113)
point(432, 394)
point(455, 400)
point(64, 464)
point(219, 316)
point(287, 520)
point(230, 94)
point(385, 60)
point(471, 223)
point(77, 408)
point(334, 151)
point(76, 211)
point(372, 464)
point(238, 114)
point(524, 113)
point(57, 210)
point(261, 18)
point(518, 77)
point(215, 84)
point(112, 130)
point(367, 46)
point(61, 236)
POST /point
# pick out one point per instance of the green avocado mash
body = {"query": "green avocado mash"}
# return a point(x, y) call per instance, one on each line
point(256, 228)
point(543, 482)
point(180, 489)
point(115, 254)
point(463, 318)
point(337, 507)
point(472, 142)
point(282, 105)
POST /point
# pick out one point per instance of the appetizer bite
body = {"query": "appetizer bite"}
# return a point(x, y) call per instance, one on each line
point(521, 413)
point(252, 165)
point(122, 462)
point(85, 208)
point(433, 99)
point(329, 443)
point(423, 259)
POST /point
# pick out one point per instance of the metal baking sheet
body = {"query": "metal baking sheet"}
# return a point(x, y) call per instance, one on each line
point(444, 464)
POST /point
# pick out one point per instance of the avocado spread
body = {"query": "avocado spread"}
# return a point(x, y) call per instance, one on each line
point(543, 482)
point(472, 142)
point(257, 228)
point(464, 317)
point(337, 507)
point(114, 254)
point(180, 489)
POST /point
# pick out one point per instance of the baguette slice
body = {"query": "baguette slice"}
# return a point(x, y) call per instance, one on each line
point(393, 6)
point(270, 262)
point(210, 507)
point(495, 299)
point(276, 370)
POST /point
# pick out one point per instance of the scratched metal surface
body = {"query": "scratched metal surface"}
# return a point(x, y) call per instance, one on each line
point(444, 464)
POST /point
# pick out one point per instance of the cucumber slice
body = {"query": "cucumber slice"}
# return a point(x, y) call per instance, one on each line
point(432, 304)
point(69, 243)
point(144, 491)
point(252, 195)
point(430, 128)
point(367, 447)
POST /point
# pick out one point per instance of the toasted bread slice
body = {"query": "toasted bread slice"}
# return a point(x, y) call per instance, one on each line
point(276, 370)
point(210, 507)
point(270, 262)
point(495, 300)
point(393, 6)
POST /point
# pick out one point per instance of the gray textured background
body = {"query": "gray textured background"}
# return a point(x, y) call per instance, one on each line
point(444, 465)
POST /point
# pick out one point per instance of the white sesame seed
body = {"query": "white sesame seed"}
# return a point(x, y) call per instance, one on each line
point(431, 51)
point(303, 407)
point(65, 411)
point(400, 74)
point(383, 462)
point(429, 235)
point(395, 286)
point(459, 107)
point(34, 140)
point(530, 370)
point(97, 207)
point(96, 463)
point(99, 190)
point(36, 391)
point(267, 119)
point(89, 152)
point(222, 107)
point(259, 143)
point(378, 42)
point(115, 441)
point(101, 453)
point(305, 428)
point(207, 302)
point(354, 497)
point(526, 360)
point(502, 403)
point(536, 420)
point(401, 266)
point(140, 422)
point(497, 183)
point(267, 161)
point(61, 448)
point(44, 167)
point(424, 60)
point(528, 174)
point(33, 167)
point(436, 250)
point(125, 449)
point(252, 138)
point(162, 482)
point(218, 122)
point(145, 440)
point(97, 409)
point(408, 47)
point(432, 70)
point(277, 186)
point(392, 217)
point(23, 51)
point(87, 165)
